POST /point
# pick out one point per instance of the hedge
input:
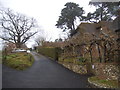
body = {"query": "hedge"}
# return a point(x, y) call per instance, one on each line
point(50, 52)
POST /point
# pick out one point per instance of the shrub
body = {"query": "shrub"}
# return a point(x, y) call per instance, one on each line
point(19, 61)
point(50, 52)
point(81, 59)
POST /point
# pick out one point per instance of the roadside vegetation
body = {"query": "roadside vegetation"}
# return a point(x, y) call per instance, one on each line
point(74, 60)
point(103, 82)
point(19, 60)
point(95, 40)
point(49, 51)
point(92, 44)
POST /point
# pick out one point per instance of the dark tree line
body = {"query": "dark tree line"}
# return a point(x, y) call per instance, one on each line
point(105, 11)
point(68, 17)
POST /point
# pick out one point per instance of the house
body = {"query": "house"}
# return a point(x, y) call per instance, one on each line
point(86, 32)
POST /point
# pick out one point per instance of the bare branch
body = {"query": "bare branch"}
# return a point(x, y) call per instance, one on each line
point(18, 26)
point(28, 37)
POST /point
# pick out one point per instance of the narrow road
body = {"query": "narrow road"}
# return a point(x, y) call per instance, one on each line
point(44, 73)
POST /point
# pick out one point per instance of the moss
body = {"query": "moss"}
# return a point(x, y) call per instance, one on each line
point(69, 60)
point(80, 63)
point(73, 60)
point(60, 59)
point(103, 82)
point(19, 61)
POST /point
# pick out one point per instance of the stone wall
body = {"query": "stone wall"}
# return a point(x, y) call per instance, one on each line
point(75, 68)
point(109, 71)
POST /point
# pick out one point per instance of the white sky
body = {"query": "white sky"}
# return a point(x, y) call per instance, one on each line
point(46, 12)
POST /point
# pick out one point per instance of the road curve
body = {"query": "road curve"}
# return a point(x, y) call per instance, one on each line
point(44, 73)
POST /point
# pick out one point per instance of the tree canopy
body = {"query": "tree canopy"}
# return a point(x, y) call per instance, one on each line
point(69, 14)
point(104, 11)
point(17, 27)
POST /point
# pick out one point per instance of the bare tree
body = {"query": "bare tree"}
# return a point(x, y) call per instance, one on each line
point(40, 40)
point(17, 26)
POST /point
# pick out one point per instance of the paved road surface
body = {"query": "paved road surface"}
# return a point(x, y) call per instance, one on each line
point(44, 73)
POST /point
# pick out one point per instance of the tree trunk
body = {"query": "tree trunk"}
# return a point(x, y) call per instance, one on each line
point(105, 53)
point(101, 14)
point(91, 55)
point(73, 49)
point(18, 45)
point(73, 25)
point(99, 52)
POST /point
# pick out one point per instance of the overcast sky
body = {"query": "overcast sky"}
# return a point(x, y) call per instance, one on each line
point(46, 12)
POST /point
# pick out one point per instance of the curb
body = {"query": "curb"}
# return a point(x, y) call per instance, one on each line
point(95, 85)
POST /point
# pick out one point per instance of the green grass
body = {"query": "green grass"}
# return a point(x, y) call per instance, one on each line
point(103, 82)
point(19, 61)
point(71, 60)
point(66, 60)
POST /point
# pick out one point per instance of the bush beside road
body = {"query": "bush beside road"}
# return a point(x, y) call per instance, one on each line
point(50, 52)
point(19, 60)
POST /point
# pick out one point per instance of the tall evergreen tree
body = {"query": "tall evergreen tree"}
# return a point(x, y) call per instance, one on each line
point(69, 14)
point(104, 11)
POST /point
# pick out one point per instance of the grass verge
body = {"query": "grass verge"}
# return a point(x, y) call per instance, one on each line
point(71, 60)
point(19, 61)
point(103, 82)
